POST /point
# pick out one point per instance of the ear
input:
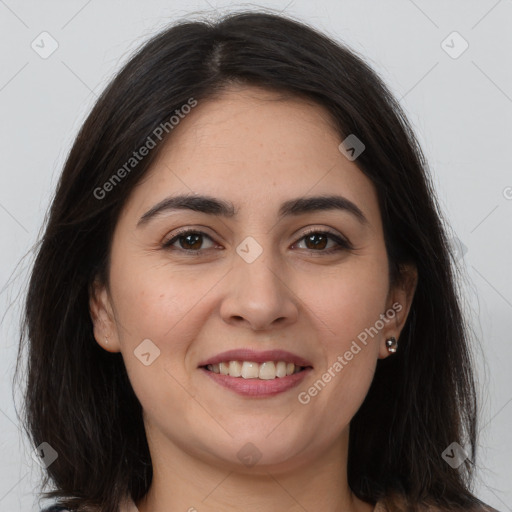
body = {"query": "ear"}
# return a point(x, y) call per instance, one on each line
point(101, 311)
point(398, 305)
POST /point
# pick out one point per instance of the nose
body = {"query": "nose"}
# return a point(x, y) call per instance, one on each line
point(259, 295)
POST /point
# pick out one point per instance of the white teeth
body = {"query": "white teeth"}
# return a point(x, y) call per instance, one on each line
point(268, 370)
point(281, 369)
point(235, 369)
point(250, 370)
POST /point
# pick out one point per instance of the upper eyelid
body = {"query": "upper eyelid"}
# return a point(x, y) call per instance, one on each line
point(186, 231)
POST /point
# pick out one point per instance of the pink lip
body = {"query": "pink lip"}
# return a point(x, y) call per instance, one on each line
point(257, 387)
point(256, 357)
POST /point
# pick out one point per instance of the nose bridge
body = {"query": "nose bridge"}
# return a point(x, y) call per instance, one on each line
point(259, 294)
point(258, 264)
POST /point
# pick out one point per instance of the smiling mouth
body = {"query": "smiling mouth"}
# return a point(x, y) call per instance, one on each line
point(268, 370)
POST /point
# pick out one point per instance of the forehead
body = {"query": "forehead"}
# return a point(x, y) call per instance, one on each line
point(255, 149)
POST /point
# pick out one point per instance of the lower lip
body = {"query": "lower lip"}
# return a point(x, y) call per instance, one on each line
point(258, 387)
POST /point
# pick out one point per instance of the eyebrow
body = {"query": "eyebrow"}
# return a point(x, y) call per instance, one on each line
point(219, 207)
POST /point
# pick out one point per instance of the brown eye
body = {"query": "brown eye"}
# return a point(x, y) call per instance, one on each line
point(189, 240)
point(317, 241)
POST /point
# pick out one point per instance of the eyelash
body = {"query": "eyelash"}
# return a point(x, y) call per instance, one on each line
point(342, 243)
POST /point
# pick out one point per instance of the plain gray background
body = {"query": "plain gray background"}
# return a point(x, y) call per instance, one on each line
point(459, 105)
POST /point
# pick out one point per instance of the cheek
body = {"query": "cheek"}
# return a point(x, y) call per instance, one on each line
point(350, 300)
point(348, 314)
point(152, 300)
point(154, 304)
point(166, 305)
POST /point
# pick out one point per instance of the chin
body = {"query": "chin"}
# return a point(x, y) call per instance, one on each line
point(256, 451)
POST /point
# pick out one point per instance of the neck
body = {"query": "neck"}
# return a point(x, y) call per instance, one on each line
point(183, 482)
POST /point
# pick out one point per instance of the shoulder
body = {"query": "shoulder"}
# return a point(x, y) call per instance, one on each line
point(127, 505)
point(402, 506)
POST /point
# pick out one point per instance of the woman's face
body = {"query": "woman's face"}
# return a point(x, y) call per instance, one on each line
point(263, 279)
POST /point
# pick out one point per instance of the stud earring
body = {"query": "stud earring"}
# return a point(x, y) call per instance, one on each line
point(392, 344)
point(106, 340)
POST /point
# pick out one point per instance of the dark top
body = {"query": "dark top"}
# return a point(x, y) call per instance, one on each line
point(379, 507)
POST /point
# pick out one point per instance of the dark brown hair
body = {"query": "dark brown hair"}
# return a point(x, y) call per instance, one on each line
point(78, 397)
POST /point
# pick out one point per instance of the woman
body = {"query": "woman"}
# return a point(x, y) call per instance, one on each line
point(244, 299)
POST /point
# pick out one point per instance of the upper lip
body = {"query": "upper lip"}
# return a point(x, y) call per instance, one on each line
point(247, 354)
